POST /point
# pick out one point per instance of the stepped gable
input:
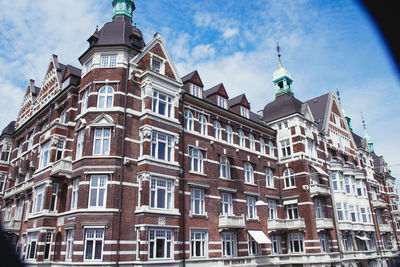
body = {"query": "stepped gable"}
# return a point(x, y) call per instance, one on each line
point(283, 105)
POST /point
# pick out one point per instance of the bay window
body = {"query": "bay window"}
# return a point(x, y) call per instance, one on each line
point(102, 138)
point(108, 61)
point(105, 97)
point(74, 193)
point(79, 144)
point(60, 149)
point(31, 248)
point(45, 154)
point(162, 104)
point(161, 194)
point(276, 244)
point(292, 211)
point(38, 199)
point(161, 146)
point(85, 100)
point(98, 191)
point(285, 148)
point(160, 244)
point(70, 244)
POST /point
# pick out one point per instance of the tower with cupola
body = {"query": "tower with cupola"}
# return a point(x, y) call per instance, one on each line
point(282, 78)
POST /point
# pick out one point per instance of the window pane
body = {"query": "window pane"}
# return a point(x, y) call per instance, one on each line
point(89, 249)
point(97, 252)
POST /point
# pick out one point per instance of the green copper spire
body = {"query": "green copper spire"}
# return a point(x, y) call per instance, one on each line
point(123, 7)
point(346, 116)
point(282, 79)
point(366, 135)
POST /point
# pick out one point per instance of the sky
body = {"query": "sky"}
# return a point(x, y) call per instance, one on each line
point(325, 45)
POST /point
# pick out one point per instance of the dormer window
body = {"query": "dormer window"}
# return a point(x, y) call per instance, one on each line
point(196, 91)
point(244, 112)
point(108, 61)
point(222, 102)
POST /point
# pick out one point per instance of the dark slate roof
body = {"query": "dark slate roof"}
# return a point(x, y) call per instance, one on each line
point(318, 106)
point(9, 129)
point(74, 71)
point(236, 100)
point(119, 31)
point(212, 90)
point(283, 105)
point(357, 139)
point(188, 77)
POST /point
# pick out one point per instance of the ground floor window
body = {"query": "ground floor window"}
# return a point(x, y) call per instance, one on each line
point(160, 244)
point(347, 242)
point(228, 244)
point(295, 243)
point(70, 244)
point(276, 244)
point(323, 241)
point(94, 244)
point(32, 245)
point(47, 245)
point(198, 243)
point(254, 247)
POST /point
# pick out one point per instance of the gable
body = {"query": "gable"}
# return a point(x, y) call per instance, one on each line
point(244, 102)
point(222, 91)
point(158, 51)
point(335, 108)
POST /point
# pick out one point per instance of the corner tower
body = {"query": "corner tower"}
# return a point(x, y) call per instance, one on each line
point(282, 78)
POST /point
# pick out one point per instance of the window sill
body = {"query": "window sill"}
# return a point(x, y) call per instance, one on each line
point(252, 184)
point(288, 188)
point(225, 179)
point(205, 215)
point(198, 173)
point(147, 209)
point(271, 188)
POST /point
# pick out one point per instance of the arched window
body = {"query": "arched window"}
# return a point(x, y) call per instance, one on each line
point(242, 141)
point(229, 135)
point(288, 175)
point(217, 130)
point(269, 178)
point(248, 173)
point(84, 103)
point(105, 98)
point(262, 146)
point(63, 117)
point(202, 125)
point(270, 148)
point(252, 143)
point(196, 160)
point(224, 168)
point(189, 120)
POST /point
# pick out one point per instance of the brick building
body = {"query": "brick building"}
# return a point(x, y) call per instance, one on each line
point(124, 162)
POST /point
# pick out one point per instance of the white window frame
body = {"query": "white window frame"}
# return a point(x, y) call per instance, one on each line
point(224, 168)
point(339, 211)
point(88, 66)
point(160, 139)
point(53, 198)
point(105, 97)
point(108, 61)
point(226, 203)
point(189, 120)
point(222, 102)
point(289, 178)
point(197, 202)
point(324, 242)
point(252, 142)
point(96, 238)
point(60, 149)
point(39, 193)
point(319, 209)
point(63, 117)
point(251, 208)
point(20, 206)
point(45, 154)
point(229, 134)
point(69, 248)
point(48, 242)
point(269, 178)
point(272, 209)
point(242, 138)
point(30, 140)
point(244, 112)
point(79, 144)
point(85, 101)
point(276, 244)
point(270, 148)
point(262, 145)
point(292, 212)
point(229, 238)
point(74, 193)
point(102, 141)
point(286, 149)
point(254, 247)
point(160, 234)
point(32, 242)
point(294, 238)
point(198, 243)
point(203, 127)
point(196, 90)
point(7, 214)
point(161, 188)
point(98, 191)
point(248, 173)
point(162, 104)
point(217, 131)
point(196, 160)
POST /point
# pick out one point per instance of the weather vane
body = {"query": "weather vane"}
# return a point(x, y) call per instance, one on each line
point(363, 121)
point(338, 94)
point(278, 49)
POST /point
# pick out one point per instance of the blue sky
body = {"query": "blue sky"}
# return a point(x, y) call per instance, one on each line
point(325, 45)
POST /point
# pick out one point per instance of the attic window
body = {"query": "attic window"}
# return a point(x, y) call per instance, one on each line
point(155, 65)
point(222, 102)
point(244, 112)
point(108, 61)
point(196, 91)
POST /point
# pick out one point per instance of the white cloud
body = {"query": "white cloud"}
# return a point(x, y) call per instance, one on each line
point(229, 33)
point(202, 51)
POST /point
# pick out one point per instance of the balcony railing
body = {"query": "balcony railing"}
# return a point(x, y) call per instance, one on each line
point(231, 221)
point(319, 190)
point(378, 203)
point(324, 223)
point(283, 224)
point(20, 188)
point(354, 226)
point(62, 167)
point(13, 225)
point(385, 228)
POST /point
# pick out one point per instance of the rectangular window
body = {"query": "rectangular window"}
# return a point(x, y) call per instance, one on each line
point(323, 241)
point(334, 177)
point(69, 244)
point(161, 146)
point(254, 247)
point(197, 201)
point(5, 152)
point(108, 61)
point(74, 193)
point(319, 209)
point(244, 112)
point(84, 103)
point(226, 200)
point(88, 66)
point(60, 150)
point(364, 215)
point(32, 245)
point(352, 213)
point(222, 102)
point(276, 244)
point(228, 244)
point(295, 243)
point(162, 104)
point(347, 184)
point(285, 148)
point(160, 244)
point(251, 208)
point(155, 65)
point(292, 211)
point(161, 194)
point(198, 244)
point(38, 199)
point(47, 245)
point(346, 211)
point(102, 138)
point(272, 212)
point(196, 91)
point(20, 205)
point(53, 200)
point(45, 155)
point(2, 183)
point(7, 215)
point(339, 211)
point(347, 242)
point(94, 244)
point(269, 178)
point(79, 144)
point(359, 188)
point(98, 191)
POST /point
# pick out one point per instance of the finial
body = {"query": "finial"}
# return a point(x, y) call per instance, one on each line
point(97, 28)
point(338, 95)
point(278, 49)
point(363, 121)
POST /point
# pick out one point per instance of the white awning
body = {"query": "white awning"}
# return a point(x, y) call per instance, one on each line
point(319, 170)
point(259, 236)
point(362, 238)
point(290, 201)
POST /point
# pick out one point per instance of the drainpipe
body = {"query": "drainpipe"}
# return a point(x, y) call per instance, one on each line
point(122, 164)
point(182, 177)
